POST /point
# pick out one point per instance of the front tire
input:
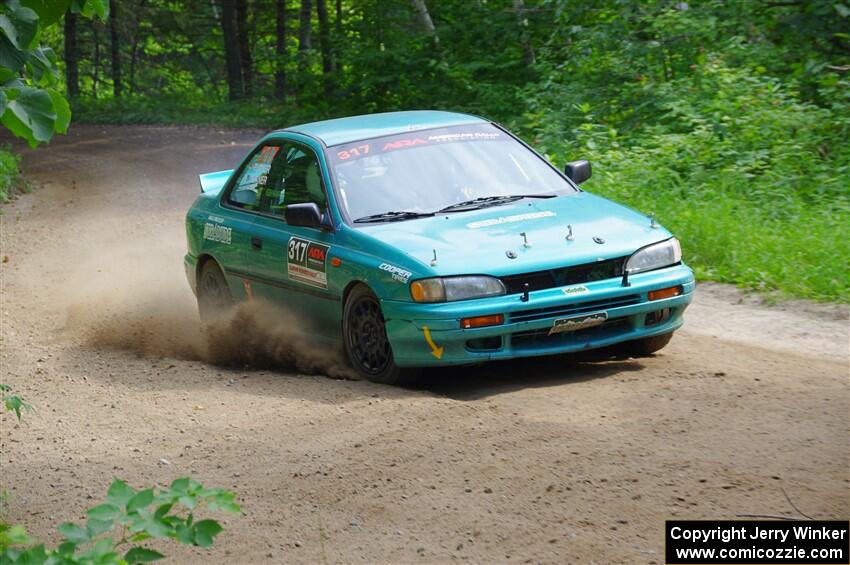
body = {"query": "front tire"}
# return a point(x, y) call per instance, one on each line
point(214, 299)
point(366, 344)
point(646, 346)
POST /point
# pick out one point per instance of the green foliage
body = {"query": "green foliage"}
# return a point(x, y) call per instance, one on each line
point(752, 177)
point(10, 174)
point(114, 529)
point(31, 107)
point(728, 119)
point(11, 402)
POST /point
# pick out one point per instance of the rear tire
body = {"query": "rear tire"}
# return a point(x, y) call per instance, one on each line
point(646, 346)
point(366, 344)
point(214, 299)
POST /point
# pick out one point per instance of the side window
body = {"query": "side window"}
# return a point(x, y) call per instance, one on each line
point(303, 182)
point(246, 192)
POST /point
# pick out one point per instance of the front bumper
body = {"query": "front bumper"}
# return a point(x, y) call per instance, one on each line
point(525, 332)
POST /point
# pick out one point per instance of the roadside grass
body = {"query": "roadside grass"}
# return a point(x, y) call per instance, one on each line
point(10, 174)
point(800, 253)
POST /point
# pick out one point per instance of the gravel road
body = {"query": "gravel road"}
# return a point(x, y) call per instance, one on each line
point(568, 459)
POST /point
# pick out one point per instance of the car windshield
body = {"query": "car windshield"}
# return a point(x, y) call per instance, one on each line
point(401, 177)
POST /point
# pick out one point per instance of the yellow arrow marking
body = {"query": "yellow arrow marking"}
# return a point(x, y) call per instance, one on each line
point(435, 351)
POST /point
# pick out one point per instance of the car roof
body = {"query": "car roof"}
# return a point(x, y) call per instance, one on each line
point(355, 128)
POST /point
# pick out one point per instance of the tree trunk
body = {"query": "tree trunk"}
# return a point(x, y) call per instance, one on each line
point(134, 46)
point(280, 51)
point(72, 80)
point(338, 40)
point(231, 49)
point(425, 20)
point(304, 34)
point(116, 49)
point(244, 47)
point(95, 70)
point(325, 38)
point(527, 50)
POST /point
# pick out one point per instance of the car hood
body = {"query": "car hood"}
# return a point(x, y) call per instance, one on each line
point(481, 241)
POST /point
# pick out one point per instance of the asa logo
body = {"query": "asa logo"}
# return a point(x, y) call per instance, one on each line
point(404, 143)
point(316, 253)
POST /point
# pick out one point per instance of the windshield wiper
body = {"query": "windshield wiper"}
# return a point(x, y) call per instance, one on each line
point(484, 201)
point(392, 216)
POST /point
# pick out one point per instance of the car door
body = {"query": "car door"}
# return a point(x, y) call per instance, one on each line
point(230, 230)
point(289, 263)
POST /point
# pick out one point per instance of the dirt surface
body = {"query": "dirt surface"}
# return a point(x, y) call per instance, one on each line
point(554, 460)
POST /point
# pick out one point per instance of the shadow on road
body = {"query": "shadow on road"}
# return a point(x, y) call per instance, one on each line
point(482, 381)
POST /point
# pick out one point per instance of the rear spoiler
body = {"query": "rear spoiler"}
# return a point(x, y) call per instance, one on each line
point(212, 183)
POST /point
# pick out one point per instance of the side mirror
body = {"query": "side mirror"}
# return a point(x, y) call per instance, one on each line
point(305, 215)
point(578, 171)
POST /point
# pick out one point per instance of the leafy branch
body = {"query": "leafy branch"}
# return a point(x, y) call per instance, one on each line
point(12, 402)
point(30, 105)
point(132, 517)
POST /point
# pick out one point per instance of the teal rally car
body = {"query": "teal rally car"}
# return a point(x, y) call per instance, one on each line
point(431, 238)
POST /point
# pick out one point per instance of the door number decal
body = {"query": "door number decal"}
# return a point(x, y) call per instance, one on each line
point(307, 262)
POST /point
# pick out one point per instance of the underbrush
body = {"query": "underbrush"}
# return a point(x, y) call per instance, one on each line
point(752, 179)
point(10, 174)
point(258, 113)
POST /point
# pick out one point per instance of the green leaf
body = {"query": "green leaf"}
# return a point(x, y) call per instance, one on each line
point(5, 388)
point(66, 549)
point(20, 26)
point(119, 493)
point(96, 527)
point(41, 66)
point(11, 58)
point(140, 500)
point(162, 510)
point(3, 103)
point(141, 536)
point(13, 535)
point(35, 555)
point(142, 555)
point(91, 8)
point(49, 11)
point(205, 531)
point(107, 512)
point(184, 534)
point(74, 533)
point(180, 485)
point(15, 404)
point(188, 501)
point(31, 116)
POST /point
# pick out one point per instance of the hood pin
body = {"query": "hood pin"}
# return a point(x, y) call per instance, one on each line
point(434, 260)
point(570, 232)
point(525, 240)
point(652, 223)
point(511, 254)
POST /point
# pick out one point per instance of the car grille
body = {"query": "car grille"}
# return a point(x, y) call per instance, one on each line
point(575, 308)
point(541, 338)
point(565, 276)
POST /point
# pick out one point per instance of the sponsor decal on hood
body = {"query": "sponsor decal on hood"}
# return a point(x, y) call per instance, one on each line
point(510, 219)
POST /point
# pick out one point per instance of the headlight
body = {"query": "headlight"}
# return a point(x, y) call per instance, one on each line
point(655, 256)
point(449, 289)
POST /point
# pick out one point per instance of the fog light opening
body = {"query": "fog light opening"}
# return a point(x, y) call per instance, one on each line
point(484, 343)
point(657, 317)
point(665, 293)
point(482, 321)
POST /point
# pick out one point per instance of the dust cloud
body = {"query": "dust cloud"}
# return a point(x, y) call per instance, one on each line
point(159, 319)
